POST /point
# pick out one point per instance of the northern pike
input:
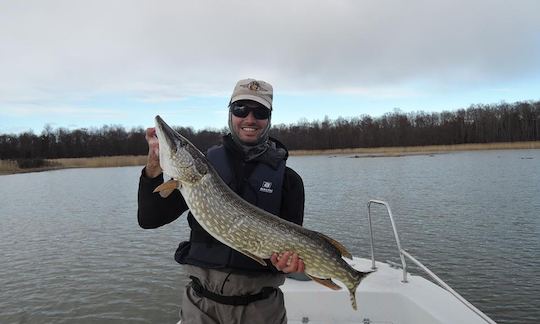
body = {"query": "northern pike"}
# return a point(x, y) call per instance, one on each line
point(243, 226)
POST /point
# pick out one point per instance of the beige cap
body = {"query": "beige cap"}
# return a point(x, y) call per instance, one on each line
point(251, 89)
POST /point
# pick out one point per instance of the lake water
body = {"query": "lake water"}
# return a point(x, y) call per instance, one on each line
point(72, 251)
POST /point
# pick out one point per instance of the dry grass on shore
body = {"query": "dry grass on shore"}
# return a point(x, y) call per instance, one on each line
point(103, 161)
point(9, 167)
point(395, 151)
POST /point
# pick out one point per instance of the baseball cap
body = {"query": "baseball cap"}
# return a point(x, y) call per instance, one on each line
point(256, 90)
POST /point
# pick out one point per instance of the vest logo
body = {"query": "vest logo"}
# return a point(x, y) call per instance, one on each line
point(266, 187)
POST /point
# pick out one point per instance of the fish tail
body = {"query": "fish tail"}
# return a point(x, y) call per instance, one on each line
point(353, 299)
point(358, 277)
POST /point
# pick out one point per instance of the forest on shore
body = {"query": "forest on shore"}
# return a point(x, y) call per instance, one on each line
point(503, 122)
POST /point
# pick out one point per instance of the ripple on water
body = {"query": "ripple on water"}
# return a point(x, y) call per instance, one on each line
point(72, 250)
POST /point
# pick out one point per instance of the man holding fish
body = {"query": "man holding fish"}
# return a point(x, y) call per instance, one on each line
point(228, 286)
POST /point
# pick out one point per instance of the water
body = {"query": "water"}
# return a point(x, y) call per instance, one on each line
point(72, 251)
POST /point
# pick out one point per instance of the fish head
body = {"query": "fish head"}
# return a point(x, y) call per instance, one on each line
point(178, 157)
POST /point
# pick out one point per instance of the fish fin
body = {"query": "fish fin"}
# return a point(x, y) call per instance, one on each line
point(342, 249)
point(166, 188)
point(325, 282)
point(165, 193)
point(254, 257)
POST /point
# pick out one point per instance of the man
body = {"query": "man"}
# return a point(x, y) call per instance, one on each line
point(228, 287)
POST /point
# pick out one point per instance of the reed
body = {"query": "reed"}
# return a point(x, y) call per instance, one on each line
point(11, 166)
point(102, 161)
point(395, 151)
point(8, 166)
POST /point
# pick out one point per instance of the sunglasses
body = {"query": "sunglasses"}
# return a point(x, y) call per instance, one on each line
point(241, 111)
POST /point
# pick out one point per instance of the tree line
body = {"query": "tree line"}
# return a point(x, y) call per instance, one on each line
point(501, 122)
point(477, 124)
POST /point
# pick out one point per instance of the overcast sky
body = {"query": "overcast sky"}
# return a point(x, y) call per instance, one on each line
point(91, 63)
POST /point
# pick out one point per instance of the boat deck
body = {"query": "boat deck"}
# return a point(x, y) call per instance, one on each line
point(382, 297)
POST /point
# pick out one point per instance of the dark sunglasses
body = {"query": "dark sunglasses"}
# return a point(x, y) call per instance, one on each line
point(241, 111)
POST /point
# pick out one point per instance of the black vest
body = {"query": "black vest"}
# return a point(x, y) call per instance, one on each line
point(262, 188)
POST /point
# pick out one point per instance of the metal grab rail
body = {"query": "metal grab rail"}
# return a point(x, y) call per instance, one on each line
point(403, 254)
point(403, 263)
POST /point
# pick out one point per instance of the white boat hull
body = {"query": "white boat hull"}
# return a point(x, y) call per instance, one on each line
point(382, 298)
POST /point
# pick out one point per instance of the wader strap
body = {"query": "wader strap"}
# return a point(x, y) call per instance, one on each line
point(229, 300)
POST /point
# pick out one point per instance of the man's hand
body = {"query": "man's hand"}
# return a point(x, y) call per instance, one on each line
point(287, 262)
point(152, 169)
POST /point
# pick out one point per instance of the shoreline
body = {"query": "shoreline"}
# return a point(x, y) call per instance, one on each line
point(10, 167)
point(428, 149)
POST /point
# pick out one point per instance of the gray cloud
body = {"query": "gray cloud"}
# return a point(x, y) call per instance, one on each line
point(76, 48)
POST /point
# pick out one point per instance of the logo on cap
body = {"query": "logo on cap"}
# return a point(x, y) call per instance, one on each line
point(254, 86)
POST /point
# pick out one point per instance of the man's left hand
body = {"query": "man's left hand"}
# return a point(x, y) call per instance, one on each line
point(287, 262)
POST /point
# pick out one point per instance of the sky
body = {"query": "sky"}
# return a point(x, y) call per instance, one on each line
point(85, 64)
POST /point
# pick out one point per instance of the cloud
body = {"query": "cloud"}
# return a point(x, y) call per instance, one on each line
point(167, 50)
point(27, 110)
point(380, 92)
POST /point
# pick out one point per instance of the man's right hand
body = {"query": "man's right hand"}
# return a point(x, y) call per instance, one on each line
point(153, 169)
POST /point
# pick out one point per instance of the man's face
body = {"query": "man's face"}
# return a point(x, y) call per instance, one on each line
point(249, 119)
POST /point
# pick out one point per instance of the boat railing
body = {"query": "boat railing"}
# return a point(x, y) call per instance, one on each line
point(403, 254)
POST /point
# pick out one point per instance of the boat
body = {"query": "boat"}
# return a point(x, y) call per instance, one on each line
point(389, 295)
